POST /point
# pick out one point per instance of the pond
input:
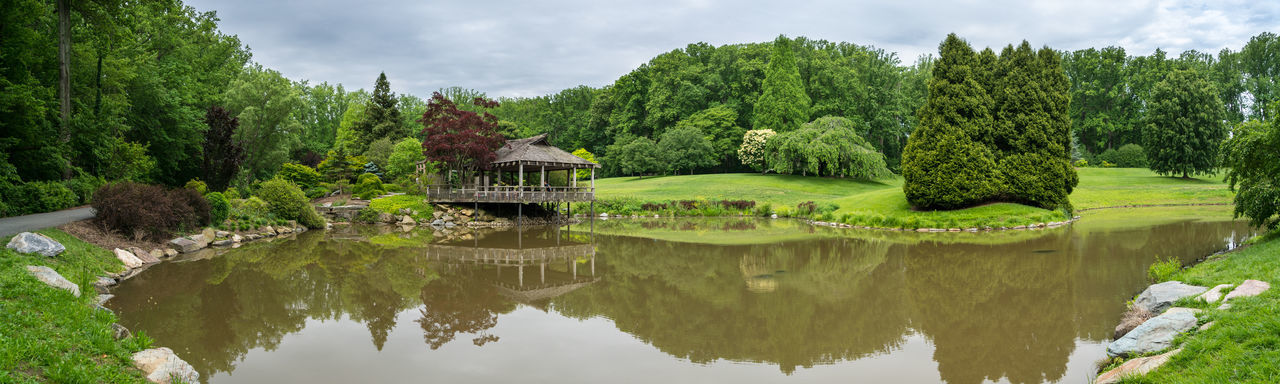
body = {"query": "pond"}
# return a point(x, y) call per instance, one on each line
point(671, 300)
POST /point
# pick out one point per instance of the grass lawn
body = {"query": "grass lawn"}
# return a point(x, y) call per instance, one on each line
point(882, 203)
point(48, 335)
point(1243, 345)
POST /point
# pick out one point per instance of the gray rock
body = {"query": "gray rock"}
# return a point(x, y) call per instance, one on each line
point(53, 279)
point(28, 242)
point(1154, 335)
point(1135, 367)
point(102, 298)
point(268, 229)
point(222, 234)
point(200, 240)
point(284, 230)
point(222, 243)
point(170, 252)
point(130, 261)
point(1224, 306)
point(104, 282)
point(1247, 289)
point(185, 245)
point(1160, 296)
point(437, 223)
point(209, 234)
point(161, 365)
point(236, 238)
point(143, 255)
point(384, 217)
point(1206, 326)
point(406, 220)
point(157, 254)
point(119, 331)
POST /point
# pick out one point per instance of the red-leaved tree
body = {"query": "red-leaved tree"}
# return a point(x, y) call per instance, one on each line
point(463, 141)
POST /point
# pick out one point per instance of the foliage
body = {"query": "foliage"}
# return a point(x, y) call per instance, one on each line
point(340, 167)
point(264, 100)
point(1184, 125)
point(83, 186)
point(219, 207)
point(381, 118)
point(752, 153)
point(783, 103)
point(231, 193)
point(720, 124)
point(287, 202)
point(1253, 171)
point(129, 161)
point(404, 158)
point(993, 129)
point(305, 177)
point(222, 154)
point(685, 147)
point(829, 146)
point(379, 151)
point(460, 140)
point(51, 195)
point(149, 211)
point(393, 205)
point(1163, 269)
point(368, 186)
point(323, 107)
point(1128, 156)
point(197, 185)
point(584, 154)
point(638, 157)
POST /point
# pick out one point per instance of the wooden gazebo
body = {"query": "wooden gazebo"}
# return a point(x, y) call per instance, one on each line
point(523, 157)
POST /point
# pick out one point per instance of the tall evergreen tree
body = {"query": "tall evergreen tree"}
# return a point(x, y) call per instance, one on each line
point(222, 154)
point(1184, 125)
point(943, 166)
point(783, 105)
point(381, 116)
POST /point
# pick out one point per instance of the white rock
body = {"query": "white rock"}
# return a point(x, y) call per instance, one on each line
point(1213, 294)
point(1247, 289)
point(28, 242)
point(161, 365)
point(130, 261)
point(53, 279)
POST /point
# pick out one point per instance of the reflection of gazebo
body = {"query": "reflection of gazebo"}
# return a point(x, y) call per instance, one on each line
point(550, 283)
point(521, 156)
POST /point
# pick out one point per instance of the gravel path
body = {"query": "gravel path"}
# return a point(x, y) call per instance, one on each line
point(10, 226)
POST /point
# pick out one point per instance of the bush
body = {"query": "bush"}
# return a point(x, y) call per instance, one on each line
point(305, 177)
point(1082, 163)
point(149, 211)
point(1163, 270)
point(219, 208)
point(83, 186)
point(368, 186)
point(252, 207)
point(316, 192)
point(198, 186)
point(52, 195)
point(286, 201)
point(367, 215)
point(393, 205)
point(232, 193)
point(1128, 156)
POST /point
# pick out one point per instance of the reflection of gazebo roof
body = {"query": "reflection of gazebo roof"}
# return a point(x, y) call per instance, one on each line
point(509, 256)
point(531, 293)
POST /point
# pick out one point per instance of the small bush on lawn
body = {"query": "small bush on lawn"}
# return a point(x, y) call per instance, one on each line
point(368, 186)
point(287, 202)
point(219, 208)
point(316, 192)
point(149, 211)
point(393, 205)
point(1128, 156)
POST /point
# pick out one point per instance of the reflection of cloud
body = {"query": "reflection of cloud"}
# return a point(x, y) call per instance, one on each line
point(510, 48)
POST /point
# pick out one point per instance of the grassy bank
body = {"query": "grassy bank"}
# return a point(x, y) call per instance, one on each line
point(48, 335)
point(882, 203)
point(1243, 345)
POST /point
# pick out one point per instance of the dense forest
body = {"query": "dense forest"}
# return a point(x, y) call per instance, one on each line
point(146, 82)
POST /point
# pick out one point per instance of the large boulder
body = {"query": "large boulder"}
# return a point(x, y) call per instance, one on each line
point(1160, 296)
point(128, 258)
point(185, 245)
point(1135, 367)
point(161, 365)
point(143, 255)
point(53, 279)
point(28, 242)
point(1248, 288)
point(1154, 335)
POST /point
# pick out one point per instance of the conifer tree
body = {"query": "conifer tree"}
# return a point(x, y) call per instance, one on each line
point(381, 116)
point(783, 104)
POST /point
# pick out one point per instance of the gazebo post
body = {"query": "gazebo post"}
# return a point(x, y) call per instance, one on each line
point(520, 185)
point(542, 177)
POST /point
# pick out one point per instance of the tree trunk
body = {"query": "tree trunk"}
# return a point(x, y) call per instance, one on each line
point(64, 67)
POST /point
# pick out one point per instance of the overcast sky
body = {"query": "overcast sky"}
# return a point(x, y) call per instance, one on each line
point(531, 48)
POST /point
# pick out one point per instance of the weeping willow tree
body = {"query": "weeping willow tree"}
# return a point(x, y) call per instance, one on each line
point(829, 146)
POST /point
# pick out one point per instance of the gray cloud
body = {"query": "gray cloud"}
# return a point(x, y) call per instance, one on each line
point(530, 48)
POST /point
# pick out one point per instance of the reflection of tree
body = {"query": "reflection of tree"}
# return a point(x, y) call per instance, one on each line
point(693, 301)
point(460, 303)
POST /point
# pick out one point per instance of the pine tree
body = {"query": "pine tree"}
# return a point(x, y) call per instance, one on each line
point(1184, 125)
point(783, 104)
point(943, 166)
point(381, 116)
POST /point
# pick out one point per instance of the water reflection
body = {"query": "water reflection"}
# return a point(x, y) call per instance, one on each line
point(1010, 307)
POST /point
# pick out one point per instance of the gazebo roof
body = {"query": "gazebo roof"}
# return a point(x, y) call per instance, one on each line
point(536, 151)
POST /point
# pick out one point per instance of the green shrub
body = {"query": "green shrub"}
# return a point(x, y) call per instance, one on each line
point(316, 192)
point(251, 207)
point(84, 186)
point(392, 188)
point(368, 186)
point(53, 195)
point(219, 208)
point(367, 215)
point(198, 186)
point(1082, 163)
point(1128, 156)
point(393, 205)
point(305, 177)
point(1163, 270)
point(232, 193)
point(287, 202)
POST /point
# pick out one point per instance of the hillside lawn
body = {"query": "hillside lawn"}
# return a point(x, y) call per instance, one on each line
point(881, 203)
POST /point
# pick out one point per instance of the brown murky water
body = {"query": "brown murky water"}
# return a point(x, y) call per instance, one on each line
point(671, 300)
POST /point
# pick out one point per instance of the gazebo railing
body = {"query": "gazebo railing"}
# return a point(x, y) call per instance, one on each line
point(501, 194)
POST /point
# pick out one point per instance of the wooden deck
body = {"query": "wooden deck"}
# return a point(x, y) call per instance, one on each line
point(508, 194)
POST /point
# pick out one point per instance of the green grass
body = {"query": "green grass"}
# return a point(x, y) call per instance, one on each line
point(393, 205)
point(882, 203)
point(1243, 345)
point(48, 335)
